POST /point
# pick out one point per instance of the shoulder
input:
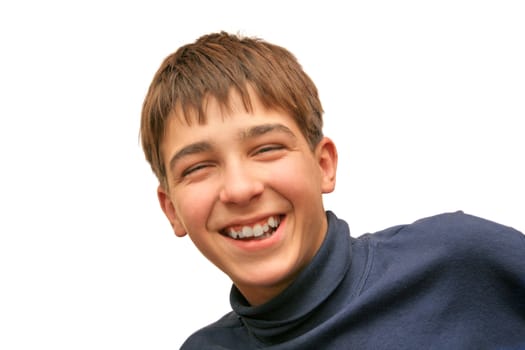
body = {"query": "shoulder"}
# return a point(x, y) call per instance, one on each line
point(451, 225)
point(460, 218)
point(219, 332)
point(456, 248)
point(456, 234)
point(458, 227)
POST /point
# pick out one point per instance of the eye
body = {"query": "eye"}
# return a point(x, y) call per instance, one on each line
point(268, 148)
point(194, 168)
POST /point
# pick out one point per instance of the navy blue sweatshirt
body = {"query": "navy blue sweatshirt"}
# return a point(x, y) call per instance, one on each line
point(452, 281)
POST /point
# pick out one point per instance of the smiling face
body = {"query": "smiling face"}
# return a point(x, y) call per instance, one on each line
point(247, 188)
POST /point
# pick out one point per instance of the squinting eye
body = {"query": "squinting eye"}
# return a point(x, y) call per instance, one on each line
point(193, 169)
point(268, 148)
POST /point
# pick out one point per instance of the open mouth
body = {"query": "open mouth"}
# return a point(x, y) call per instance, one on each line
point(259, 230)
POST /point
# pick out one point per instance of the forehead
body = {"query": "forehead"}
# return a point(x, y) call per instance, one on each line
point(186, 127)
point(235, 112)
point(217, 106)
point(218, 109)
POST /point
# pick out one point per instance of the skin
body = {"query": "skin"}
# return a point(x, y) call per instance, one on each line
point(236, 170)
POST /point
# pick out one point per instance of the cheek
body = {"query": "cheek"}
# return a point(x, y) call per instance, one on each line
point(194, 206)
point(297, 179)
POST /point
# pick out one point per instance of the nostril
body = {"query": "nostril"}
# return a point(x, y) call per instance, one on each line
point(240, 192)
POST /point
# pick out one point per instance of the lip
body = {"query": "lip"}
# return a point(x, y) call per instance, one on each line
point(254, 245)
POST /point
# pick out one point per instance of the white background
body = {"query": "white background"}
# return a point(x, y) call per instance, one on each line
point(425, 99)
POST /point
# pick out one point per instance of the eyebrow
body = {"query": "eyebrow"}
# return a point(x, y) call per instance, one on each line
point(253, 132)
point(193, 148)
point(260, 130)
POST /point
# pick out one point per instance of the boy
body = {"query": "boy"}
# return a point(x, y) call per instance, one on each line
point(232, 128)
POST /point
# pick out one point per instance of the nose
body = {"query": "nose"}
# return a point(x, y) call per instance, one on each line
point(240, 185)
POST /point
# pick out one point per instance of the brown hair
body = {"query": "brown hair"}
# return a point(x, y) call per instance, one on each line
point(214, 65)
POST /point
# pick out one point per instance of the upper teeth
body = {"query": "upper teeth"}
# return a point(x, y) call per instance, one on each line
point(256, 230)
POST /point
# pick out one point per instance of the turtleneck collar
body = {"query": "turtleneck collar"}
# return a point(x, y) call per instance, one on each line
point(285, 315)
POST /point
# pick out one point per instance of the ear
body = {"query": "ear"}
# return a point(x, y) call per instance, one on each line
point(326, 155)
point(169, 210)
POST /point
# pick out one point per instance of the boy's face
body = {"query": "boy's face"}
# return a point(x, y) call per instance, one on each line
point(248, 174)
